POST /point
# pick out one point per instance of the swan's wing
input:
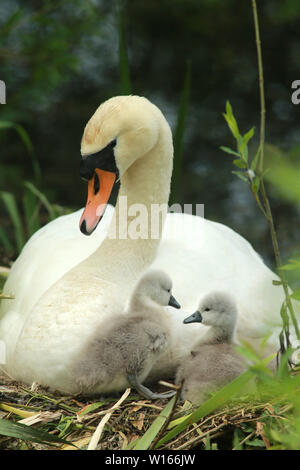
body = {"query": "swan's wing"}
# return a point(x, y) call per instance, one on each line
point(48, 255)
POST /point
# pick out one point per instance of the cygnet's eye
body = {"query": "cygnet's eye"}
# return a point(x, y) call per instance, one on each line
point(207, 309)
point(169, 290)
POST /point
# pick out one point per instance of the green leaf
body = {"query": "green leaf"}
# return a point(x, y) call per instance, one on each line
point(241, 175)
point(255, 160)
point(27, 143)
point(240, 163)
point(11, 22)
point(277, 283)
point(42, 198)
point(145, 441)
point(230, 151)
point(231, 121)
point(31, 212)
point(248, 353)
point(237, 438)
point(4, 239)
point(3, 279)
point(92, 407)
point(242, 148)
point(27, 433)
point(255, 184)
point(256, 443)
point(296, 295)
point(265, 172)
point(11, 207)
point(248, 136)
point(293, 264)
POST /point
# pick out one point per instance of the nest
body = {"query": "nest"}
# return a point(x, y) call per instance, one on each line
point(76, 419)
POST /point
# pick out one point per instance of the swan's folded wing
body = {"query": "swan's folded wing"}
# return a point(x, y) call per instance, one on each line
point(47, 256)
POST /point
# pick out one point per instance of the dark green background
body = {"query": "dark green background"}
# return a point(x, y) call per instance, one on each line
point(60, 60)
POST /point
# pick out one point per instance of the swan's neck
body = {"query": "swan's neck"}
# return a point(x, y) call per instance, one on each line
point(146, 182)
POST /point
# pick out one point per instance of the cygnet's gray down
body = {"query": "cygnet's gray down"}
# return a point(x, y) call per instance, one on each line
point(124, 351)
point(213, 361)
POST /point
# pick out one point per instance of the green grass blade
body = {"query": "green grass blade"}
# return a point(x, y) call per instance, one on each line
point(42, 198)
point(4, 240)
point(11, 22)
point(28, 145)
point(219, 398)
point(90, 408)
point(3, 279)
point(11, 207)
point(145, 441)
point(26, 433)
point(31, 212)
point(179, 134)
point(126, 88)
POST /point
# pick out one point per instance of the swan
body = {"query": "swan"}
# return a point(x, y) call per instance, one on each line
point(213, 361)
point(66, 285)
point(123, 352)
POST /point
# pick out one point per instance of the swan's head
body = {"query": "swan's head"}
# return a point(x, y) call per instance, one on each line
point(155, 285)
point(122, 130)
point(216, 309)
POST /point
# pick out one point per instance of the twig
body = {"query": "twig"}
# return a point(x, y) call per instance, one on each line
point(265, 199)
point(200, 438)
point(6, 297)
point(97, 434)
point(146, 405)
point(182, 436)
point(169, 385)
point(261, 89)
point(245, 440)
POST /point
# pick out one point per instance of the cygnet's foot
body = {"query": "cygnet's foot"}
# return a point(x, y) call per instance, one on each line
point(144, 391)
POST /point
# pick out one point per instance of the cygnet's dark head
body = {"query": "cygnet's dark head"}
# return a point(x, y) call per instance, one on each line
point(157, 286)
point(215, 309)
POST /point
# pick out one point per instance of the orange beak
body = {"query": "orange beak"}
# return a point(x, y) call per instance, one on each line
point(99, 190)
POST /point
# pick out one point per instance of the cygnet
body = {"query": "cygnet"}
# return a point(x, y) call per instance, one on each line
point(123, 352)
point(213, 361)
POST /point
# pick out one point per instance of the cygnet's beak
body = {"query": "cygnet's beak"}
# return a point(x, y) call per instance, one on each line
point(173, 302)
point(195, 317)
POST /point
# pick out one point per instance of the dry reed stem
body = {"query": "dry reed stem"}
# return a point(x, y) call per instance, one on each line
point(97, 434)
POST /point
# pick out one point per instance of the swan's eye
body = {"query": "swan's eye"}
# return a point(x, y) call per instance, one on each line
point(96, 183)
point(113, 143)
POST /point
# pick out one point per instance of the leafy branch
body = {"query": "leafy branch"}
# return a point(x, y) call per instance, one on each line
point(253, 174)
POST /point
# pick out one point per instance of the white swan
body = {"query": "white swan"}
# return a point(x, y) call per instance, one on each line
point(66, 285)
